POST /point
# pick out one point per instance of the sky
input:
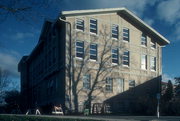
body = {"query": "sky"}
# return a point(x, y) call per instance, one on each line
point(19, 37)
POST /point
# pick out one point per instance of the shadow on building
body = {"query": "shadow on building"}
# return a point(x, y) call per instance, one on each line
point(139, 100)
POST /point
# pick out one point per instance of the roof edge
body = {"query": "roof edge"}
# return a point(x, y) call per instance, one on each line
point(111, 10)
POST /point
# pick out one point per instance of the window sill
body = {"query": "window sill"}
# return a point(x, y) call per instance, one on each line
point(92, 60)
point(143, 46)
point(78, 30)
point(153, 48)
point(125, 66)
point(125, 41)
point(143, 69)
point(114, 64)
point(115, 39)
point(153, 71)
point(93, 34)
point(78, 58)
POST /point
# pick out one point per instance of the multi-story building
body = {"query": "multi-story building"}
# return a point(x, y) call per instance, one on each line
point(88, 56)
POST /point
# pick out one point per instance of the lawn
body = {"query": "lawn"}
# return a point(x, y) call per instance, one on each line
point(37, 118)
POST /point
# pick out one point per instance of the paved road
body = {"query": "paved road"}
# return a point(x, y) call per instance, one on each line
point(122, 118)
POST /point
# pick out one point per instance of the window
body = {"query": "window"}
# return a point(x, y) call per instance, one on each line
point(115, 31)
point(132, 84)
point(153, 63)
point(80, 49)
point(125, 34)
point(93, 26)
point(144, 40)
point(153, 44)
point(120, 85)
point(109, 84)
point(93, 51)
point(87, 81)
point(144, 62)
point(126, 58)
point(115, 56)
point(80, 24)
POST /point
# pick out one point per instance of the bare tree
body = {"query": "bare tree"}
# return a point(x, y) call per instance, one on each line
point(4, 81)
point(99, 69)
point(25, 10)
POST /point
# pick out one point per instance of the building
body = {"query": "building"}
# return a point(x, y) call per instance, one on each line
point(88, 56)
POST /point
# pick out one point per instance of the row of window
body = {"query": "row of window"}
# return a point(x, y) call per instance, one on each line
point(108, 83)
point(144, 62)
point(93, 52)
point(114, 31)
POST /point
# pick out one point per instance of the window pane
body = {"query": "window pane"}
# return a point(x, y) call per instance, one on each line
point(143, 40)
point(132, 83)
point(115, 31)
point(115, 56)
point(93, 26)
point(80, 24)
point(109, 85)
point(144, 62)
point(87, 81)
point(126, 58)
point(93, 51)
point(79, 49)
point(126, 34)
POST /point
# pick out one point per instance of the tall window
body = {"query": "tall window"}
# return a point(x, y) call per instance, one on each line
point(132, 83)
point(80, 49)
point(115, 56)
point(109, 84)
point(115, 31)
point(125, 34)
point(120, 85)
point(153, 63)
point(93, 51)
point(125, 58)
point(87, 81)
point(80, 24)
point(93, 26)
point(144, 62)
point(144, 40)
point(153, 44)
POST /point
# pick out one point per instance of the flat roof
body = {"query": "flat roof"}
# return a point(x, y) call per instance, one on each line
point(122, 10)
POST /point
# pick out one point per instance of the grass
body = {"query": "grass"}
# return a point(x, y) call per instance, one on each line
point(38, 118)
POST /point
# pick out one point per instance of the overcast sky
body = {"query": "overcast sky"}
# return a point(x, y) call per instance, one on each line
point(18, 38)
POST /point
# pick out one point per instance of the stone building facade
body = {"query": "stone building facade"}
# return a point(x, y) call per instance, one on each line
point(89, 56)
